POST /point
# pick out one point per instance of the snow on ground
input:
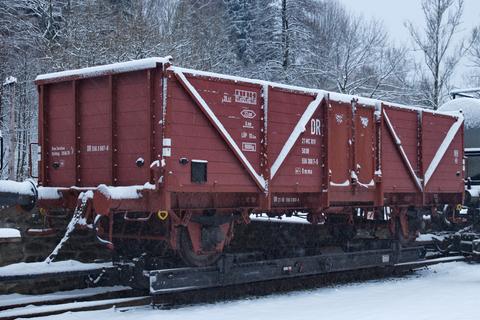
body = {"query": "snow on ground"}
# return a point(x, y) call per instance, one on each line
point(16, 298)
point(31, 309)
point(9, 233)
point(445, 291)
point(23, 268)
point(430, 237)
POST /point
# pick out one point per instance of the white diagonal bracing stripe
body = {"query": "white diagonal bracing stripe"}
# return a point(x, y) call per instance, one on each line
point(260, 180)
point(452, 132)
point(299, 129)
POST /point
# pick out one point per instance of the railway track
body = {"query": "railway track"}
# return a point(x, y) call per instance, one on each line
point(41, 278)
point(173, 300)
point(47, 308)
point(65, 287)
point(29, 306)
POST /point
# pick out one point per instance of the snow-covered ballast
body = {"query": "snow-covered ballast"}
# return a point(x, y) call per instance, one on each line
point(181, 156)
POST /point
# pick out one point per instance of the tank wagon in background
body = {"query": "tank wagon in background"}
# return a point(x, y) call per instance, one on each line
point(146, 150)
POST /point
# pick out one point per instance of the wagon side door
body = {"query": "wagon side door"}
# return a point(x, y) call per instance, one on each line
point(352, 152)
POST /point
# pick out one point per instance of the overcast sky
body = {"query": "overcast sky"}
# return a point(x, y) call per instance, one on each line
point(394, 13)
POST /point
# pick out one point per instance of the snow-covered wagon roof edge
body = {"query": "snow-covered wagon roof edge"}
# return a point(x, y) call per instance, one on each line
point(340, 97)
point(152, 62)
point(113, 68)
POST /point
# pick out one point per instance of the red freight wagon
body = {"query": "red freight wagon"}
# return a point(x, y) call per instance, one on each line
point(187, 154)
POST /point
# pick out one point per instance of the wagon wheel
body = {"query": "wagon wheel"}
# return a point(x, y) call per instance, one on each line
point(185, 251)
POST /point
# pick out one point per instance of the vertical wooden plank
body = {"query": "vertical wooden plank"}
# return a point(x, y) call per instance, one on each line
point(77, 131)
point(114, 132)
point(43, 137)
point(420, 173)
point(374, 144)
point(353, 146)
point(379, 194)
point(265, 198)
point(325, 202)
point(462, 152)
point(150, 121)
point(165, 195)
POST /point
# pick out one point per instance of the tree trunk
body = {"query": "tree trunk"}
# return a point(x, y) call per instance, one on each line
point(13, 136)
point(285, 36)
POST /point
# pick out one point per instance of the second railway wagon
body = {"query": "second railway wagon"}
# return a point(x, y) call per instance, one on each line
point(181, 156)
